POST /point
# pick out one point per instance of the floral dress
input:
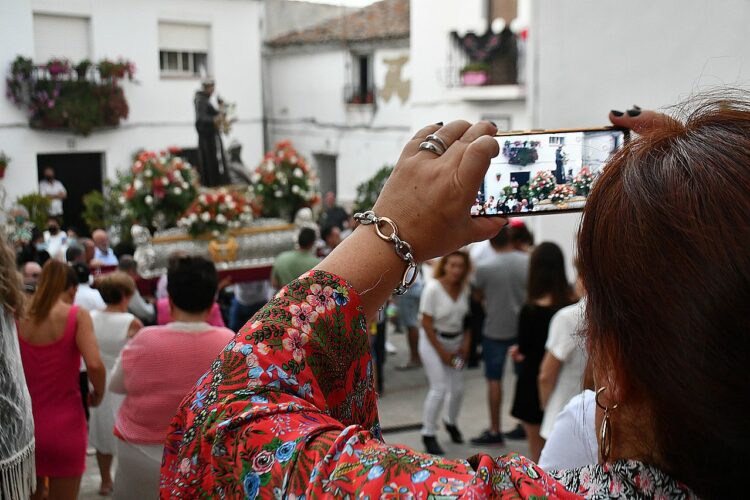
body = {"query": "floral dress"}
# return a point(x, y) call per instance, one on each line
point(288, 410)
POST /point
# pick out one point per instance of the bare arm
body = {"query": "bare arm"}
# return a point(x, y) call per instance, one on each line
point(548, 374)
point(117, 380)
point(429, 330)
point(134, 327)
point(86, 342)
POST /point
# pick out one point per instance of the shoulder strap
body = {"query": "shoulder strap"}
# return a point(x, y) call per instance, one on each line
point(72, 322)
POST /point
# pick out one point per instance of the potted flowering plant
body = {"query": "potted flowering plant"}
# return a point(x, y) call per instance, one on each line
point(4, 161)
point(475, 74)
point(283, 183)
point(58, 67)
point(158, 189)
point(583, 181)
point(542, 185)
point(216, 213)
point(116, 70)
point(562, 193)
point(82, 68)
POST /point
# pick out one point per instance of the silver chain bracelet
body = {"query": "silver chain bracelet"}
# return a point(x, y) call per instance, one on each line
point(403, 249)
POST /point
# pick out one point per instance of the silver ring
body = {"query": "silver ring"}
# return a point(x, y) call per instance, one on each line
point(432, 148)
point(436, 138)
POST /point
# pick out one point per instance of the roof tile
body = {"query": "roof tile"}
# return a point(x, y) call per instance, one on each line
point(387, 19)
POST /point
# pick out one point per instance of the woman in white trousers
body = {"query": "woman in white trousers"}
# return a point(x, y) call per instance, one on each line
point(444, 343)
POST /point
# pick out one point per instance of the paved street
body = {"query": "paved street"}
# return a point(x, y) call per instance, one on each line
point(401, 407)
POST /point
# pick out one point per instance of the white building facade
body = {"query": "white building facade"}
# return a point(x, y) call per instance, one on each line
point(173, 44)
point(343, 95)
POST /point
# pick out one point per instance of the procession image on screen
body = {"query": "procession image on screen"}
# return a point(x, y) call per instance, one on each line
point(539, 173)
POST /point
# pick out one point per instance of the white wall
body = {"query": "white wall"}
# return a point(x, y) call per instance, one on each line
point(596, 55)
point(161, 110)
point(434, 100)
point(306, 92)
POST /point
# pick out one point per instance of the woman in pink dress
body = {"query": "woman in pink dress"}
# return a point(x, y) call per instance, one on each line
point(53, 337)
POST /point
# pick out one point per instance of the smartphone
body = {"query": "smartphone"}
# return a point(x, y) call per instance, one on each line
point(543, 172)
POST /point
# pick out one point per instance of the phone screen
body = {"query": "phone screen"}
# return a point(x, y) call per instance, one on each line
point(545, 173)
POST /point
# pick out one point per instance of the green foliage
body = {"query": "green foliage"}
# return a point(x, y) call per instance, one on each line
point(368, 191)
point(475, 67)
point(4, 160)
point(93, 209)
point(105, 209)
point(523, 192)
point(37, 206)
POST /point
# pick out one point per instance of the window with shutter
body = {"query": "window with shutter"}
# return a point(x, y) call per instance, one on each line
point(58, 36)
point(183, 50)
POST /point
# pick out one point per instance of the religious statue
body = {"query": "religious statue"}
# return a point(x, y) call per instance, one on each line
point(212, 163)
point(238, 174)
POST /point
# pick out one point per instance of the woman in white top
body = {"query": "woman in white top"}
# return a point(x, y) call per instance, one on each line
point(444, 343)
point(572, 441)
point(563, 368)
point(113, 327)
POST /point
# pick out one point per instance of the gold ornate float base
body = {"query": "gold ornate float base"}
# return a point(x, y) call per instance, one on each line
point(223, 249)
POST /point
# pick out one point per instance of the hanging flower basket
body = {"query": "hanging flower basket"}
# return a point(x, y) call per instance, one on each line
point(79, 98)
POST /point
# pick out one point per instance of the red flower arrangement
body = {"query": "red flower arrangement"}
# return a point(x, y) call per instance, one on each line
point(562, 193)
point(158, 189)
point(283, 182)
point(542, 185)
point(217, 212)
point(583, 181)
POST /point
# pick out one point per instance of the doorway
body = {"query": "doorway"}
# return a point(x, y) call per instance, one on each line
point(522, 178)
point(327, 173)
point(80, 173)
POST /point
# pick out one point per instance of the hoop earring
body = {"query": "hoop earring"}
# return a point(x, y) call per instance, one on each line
point(605, 432)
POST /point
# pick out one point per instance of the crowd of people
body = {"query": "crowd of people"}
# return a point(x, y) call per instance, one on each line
point(93, 340)
point(285, 406)
point(503, 204)
point(499, 298)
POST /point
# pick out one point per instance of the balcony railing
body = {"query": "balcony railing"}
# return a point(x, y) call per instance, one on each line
point(355, 94)
point(484, 60)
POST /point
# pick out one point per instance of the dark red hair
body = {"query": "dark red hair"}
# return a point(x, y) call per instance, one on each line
point(664, 249)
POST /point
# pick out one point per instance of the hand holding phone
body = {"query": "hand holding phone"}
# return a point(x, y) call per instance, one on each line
point(545, 172)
